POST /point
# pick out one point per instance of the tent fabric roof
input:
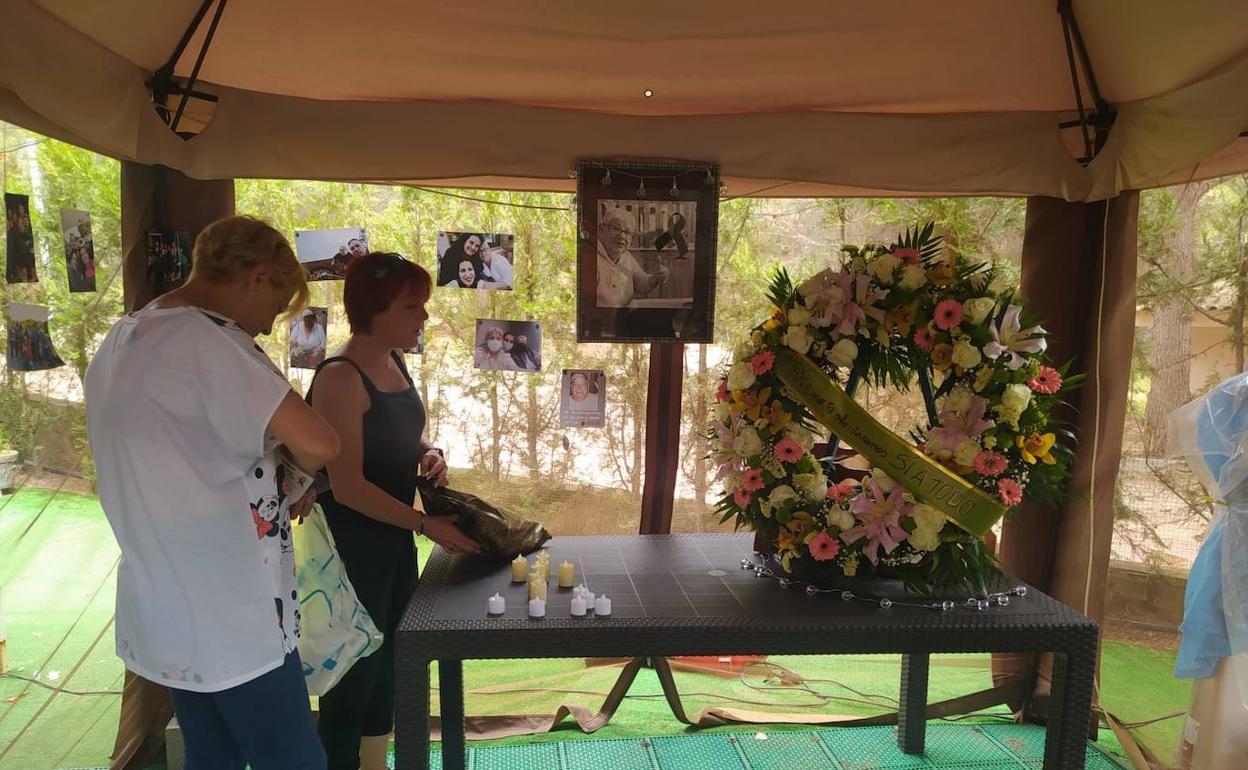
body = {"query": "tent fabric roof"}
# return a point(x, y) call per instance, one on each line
point(796, 97)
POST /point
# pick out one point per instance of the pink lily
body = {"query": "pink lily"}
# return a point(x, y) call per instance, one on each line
point(860, 304)
point(956, 428)
point(879, 517)
point(1008, 337)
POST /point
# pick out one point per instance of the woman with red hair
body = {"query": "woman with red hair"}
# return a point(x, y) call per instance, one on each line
point(366, 394)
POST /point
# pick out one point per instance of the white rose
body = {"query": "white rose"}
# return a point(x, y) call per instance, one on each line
point(777, 498)
point(1016, 397)
point(804, 438)
point(977, 309)
point(843, 353)
point(959, 400)
point(841, 519)
point(928, 518)
point(912, 277)
point(799, 316)
point(740, 376)
point(925, 539)
point(882, 268)
point(798, 338)
point(747, 443)
point(966, 355)
point(815, 485)
point(997, 285)
point(965, 452)
point(884, 480)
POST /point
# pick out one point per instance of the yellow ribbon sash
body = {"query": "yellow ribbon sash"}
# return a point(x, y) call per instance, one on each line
point(929, 481)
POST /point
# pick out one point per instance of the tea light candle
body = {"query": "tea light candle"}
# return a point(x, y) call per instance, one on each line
point(537, 608)
point(579, 607)
point(537, 589)
point(497, 604)
point(602, 606)
point(567, 574)
point(519, 570)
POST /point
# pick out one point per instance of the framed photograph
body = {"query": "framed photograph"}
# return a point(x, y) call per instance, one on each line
point(79, 250)
point(508, 346)
point(168, 260)
point(19, 240)
point(325, 254)
point(476, 260)
point(646, 251)
point(30, 343)
point(583, 398)
point(308, 338)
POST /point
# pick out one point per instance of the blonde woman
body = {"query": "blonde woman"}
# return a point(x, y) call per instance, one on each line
point(198, 440)
point(490, 354)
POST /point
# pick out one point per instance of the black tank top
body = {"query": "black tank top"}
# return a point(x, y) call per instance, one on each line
point(393, 427)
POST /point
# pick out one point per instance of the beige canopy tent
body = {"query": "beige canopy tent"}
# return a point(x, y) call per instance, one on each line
point(793, 98)
point(1076, 104)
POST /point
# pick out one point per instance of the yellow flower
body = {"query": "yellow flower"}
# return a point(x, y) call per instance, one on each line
point(942, 356)
point(750, 403)
point(777, 319)
point(777, 417)
point(901, 320)
point(1038, 447)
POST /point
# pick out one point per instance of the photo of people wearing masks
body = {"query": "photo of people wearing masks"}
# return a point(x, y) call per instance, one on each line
point(476, 260)
point(582, 400)
point(508, 346)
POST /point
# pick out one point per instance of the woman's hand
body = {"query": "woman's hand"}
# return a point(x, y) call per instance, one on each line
point(433, 466)
point(302, 508)
point(443, 531)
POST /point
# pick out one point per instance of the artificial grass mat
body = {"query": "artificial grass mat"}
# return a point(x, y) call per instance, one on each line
point(57, 574)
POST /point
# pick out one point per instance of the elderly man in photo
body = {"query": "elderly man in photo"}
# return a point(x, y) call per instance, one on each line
point(620, 278)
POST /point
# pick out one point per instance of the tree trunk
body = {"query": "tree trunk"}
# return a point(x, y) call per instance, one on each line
point(1169, 359)
point(700, 415)
point(496, 434)
point(639, 424)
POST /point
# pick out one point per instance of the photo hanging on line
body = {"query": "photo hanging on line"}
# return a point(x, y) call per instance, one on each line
point(19, 240)
point(30, 343)
point(508, 346)
point(79, 250)
point(308, 337)
point(325, 254)
point(583, 398)
point(168, 260)
point(646, 251)
point(475, 260)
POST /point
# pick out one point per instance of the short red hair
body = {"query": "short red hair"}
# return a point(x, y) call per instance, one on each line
point(373, 282)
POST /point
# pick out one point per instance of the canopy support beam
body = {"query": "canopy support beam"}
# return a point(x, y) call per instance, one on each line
point(1102, 114)
point(164, 83)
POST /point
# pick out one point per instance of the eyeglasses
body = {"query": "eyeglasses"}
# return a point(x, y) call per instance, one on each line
point(615, 229)
point(392, 261)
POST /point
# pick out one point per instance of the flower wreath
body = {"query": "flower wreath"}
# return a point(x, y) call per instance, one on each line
point(887, 315)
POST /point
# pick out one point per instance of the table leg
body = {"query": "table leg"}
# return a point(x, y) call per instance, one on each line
point(912, 713)
point(1070, 705)
point(411, 713)
point(451, 697)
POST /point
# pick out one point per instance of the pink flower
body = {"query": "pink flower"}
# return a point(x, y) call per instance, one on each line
point(907, 254)
point(824, 547)
point(956, 427)
point(879, 516)
point(948, 314)
point(924, 338)
point(761, 362)
point(721, 393)
point(1009, 491)
point(989, 463)
point(752, 480)
point(788, 451)
point(742, 498)
point(839, 493)
point(1047, 381)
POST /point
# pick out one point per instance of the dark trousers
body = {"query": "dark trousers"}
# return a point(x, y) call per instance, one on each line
point(380, 562)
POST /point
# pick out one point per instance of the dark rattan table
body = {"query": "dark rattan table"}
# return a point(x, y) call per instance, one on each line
point(687, 595)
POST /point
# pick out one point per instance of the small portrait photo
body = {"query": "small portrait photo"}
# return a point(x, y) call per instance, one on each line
point(19, 240)
point(30, 344)
point(168, 260)
point(308, 337)
point(473, 260)
point(79, 250)
point(325, 254)
point(508, 346)
point(646, 252)
point(583, 398)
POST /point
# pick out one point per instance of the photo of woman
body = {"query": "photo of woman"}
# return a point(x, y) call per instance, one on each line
point(508, 346)
point(20, 239)
point(465, 276)
point(488, 256)
point(489, 353)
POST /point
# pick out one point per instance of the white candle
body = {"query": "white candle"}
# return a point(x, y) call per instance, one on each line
point(579, 607)
point(497, 604)
point(589, 598)
point(537, 608)
point(602, 606)
point(567, 574)
point(579, 590)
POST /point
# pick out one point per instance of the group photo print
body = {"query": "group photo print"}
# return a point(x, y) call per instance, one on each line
point(508, 346)
point(79, 250)
point(325, 254)
point(168, 260)
point(476, 260)
point(646, 255)
point(30, 343)
point(19, 240)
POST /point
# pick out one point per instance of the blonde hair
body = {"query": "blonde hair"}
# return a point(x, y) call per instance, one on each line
point(231, 247)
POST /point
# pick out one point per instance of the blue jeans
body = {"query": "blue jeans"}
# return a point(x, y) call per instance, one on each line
point(265, 723)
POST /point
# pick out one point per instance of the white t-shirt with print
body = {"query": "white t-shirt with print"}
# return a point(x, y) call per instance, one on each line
point(178, 404)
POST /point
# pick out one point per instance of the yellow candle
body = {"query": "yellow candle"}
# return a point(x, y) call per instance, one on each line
point(567, 574)
point(537, 589)
point(519, 570)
